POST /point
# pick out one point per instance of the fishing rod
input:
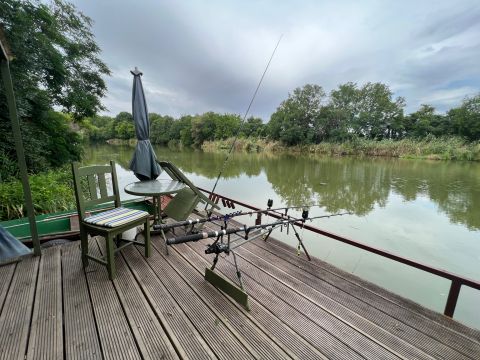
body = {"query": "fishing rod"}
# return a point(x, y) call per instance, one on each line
point(243, 120)
point(247, 230)
point(228, 216)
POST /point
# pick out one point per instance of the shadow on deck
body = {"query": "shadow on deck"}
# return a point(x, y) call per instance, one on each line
point(162, 308)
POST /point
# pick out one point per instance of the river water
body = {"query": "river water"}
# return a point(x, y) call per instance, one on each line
point(428, 211)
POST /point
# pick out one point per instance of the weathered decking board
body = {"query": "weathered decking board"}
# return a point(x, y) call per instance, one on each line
point(81, 336)
point(215, 330)
point(16, 314)
point(46, 334)
point(161, 307)
point(309, 296)
point(247, 329)
point(333, 337)
point(183, 334)
point(151, 339)
point(404, 312)
point(114, 332)
point(361, 288)
point(317, 289)
point(6, 274)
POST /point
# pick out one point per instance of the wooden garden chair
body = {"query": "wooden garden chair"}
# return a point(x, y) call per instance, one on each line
point(90, 186)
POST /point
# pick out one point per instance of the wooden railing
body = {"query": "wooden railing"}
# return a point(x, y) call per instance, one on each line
point(457, 280)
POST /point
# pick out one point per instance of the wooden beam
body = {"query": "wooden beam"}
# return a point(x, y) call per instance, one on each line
point(12, 108)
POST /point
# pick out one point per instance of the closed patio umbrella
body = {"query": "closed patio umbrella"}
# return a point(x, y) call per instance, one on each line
point(143, 163)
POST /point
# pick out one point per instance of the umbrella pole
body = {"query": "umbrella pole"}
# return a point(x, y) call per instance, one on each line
point(7, 80)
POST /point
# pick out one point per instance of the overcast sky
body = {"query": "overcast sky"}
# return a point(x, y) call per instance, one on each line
point(200, 56)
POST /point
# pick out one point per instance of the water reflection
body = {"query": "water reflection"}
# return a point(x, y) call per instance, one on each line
point(350, 184)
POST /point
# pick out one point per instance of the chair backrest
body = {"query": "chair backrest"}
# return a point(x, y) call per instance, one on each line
point(90, 184)
point(176, 174)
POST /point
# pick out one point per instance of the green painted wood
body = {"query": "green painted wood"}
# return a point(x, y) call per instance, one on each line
point(94, 169)
point(102, 184)
point(227, 287)
point(182, 205)
point(12, 108)
point(92, 186)
point(108, 233)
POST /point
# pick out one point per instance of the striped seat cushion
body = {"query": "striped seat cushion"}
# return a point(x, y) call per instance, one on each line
point(115, 217)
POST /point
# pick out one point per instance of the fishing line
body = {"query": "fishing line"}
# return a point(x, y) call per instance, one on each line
point(244, 117)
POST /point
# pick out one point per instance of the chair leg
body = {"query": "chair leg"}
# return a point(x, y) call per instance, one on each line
point(110, 256)
point(84, 246)
point(148, 246)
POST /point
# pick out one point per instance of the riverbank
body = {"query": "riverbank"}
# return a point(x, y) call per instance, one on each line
point(433, 148)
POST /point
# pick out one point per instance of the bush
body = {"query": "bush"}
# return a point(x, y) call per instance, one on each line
point(52, 191)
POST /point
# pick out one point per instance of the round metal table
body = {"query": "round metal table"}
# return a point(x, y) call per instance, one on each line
point(156, 189)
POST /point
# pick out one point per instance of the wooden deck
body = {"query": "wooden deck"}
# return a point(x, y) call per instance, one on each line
point(162, 308)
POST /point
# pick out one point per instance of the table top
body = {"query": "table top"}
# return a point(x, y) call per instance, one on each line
point(154, 187)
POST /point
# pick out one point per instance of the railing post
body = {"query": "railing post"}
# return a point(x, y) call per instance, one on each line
point(452, 298)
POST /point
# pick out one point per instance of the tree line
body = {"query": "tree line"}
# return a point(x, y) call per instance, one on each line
point(307, 116)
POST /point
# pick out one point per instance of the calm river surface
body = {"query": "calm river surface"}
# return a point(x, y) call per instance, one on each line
point(428, 211)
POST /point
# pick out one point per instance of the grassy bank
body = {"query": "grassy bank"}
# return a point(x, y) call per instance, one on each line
point(450, 148)
point(52, 191)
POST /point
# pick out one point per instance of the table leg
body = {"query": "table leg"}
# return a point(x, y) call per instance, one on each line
point(160, 209)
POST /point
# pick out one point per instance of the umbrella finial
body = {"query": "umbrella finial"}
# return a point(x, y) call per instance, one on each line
point(136, 72)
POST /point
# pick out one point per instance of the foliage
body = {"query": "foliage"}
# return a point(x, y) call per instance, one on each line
point(465, 119)
point(297, 119)
point(52, 191)
point(442, 148)
point(253, 128)
point(56, 64)
point(351, 114)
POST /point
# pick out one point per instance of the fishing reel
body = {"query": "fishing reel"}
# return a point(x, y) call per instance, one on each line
point(217, 248)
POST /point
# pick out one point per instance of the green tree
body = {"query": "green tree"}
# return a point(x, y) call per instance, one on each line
point(160, 127)
point(465, 120)
point(253, 127)
point(344, 109)
point(203, 128)
point(379, 116)
point(425, 122)
point(226, 126)
point(56, 64)
point(123, 127)
point(297, 119)
point(181, 130)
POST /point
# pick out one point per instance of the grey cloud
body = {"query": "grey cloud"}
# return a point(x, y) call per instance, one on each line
point(199, 56)
point(451, 24)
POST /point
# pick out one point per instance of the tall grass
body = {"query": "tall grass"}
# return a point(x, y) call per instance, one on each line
point(243, 144)
point(445, 148)
point(52, 191)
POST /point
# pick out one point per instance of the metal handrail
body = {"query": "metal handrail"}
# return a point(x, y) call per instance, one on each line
point(457, 280)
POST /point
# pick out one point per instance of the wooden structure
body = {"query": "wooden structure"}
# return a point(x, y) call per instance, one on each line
point(96, 193)
point(5, 57)
point(162, 308)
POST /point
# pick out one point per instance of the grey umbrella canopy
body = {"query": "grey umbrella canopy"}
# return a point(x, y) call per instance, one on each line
point(143, 163)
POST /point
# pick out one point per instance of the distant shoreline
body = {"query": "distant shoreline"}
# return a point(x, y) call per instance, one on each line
point(450, 148)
